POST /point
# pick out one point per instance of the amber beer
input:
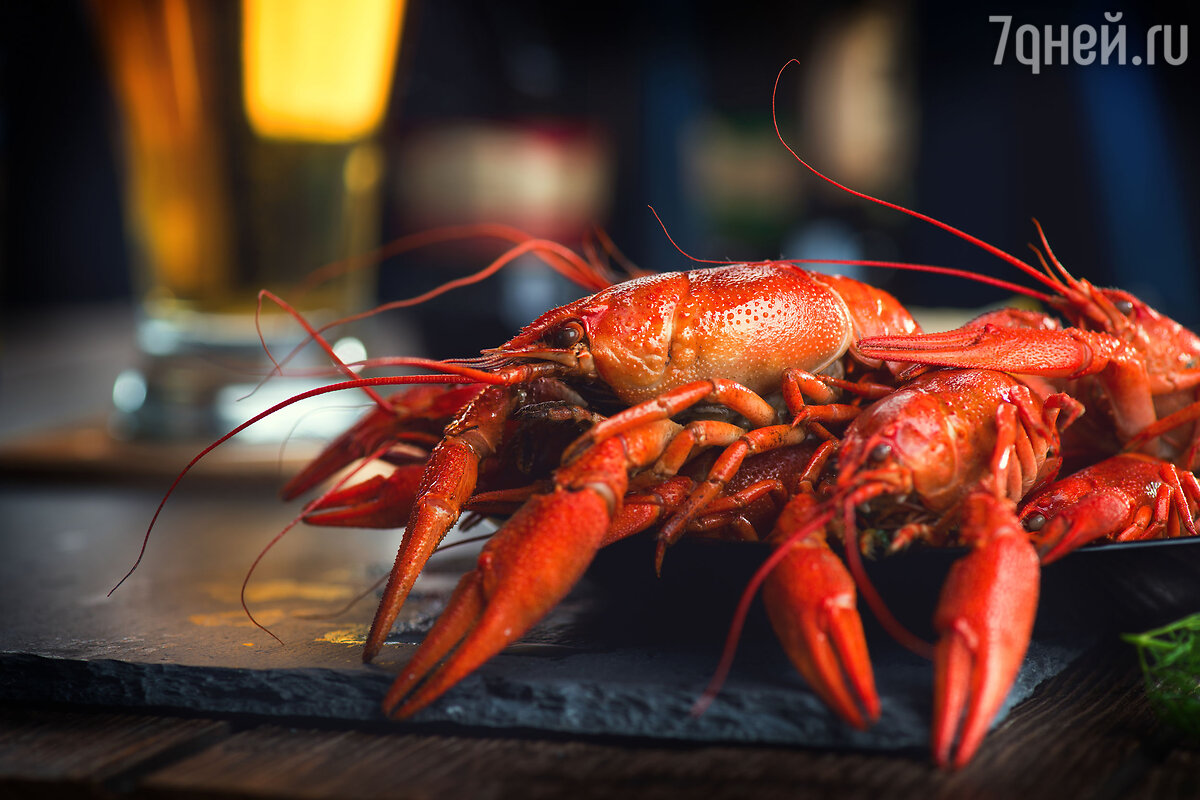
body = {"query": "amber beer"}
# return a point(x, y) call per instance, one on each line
point(250, 157)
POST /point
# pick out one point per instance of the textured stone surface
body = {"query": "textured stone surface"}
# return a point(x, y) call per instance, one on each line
point(631, 692)
point(626, 655)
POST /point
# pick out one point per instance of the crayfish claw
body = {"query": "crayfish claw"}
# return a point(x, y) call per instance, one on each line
point(527, 567)
point(378, 502)
point(1063, 535)
point(522, 573)
point(416, 411)
point(810, 599)
point(985, 618)
point(462, 612)
point(370, 433)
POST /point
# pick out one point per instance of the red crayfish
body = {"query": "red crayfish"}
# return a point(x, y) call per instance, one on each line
point(828, 405)
point(945, 456)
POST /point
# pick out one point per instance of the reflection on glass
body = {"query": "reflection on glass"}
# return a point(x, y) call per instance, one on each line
point(250, 159)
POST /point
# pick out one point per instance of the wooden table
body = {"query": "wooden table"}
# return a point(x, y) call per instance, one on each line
point(1087, 734)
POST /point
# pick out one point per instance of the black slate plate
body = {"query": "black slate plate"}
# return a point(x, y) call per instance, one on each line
point(1099, 589)
point(626, 655)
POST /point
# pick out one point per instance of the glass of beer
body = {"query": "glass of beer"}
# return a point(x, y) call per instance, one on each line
point(251, 156)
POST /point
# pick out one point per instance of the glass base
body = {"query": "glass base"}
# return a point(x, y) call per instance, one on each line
point(192, 386)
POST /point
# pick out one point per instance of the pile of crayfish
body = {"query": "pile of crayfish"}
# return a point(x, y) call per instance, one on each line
point(829, 413)
point(765, 402)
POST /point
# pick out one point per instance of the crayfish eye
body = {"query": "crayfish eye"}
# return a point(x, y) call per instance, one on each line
point(880, 452)
point(1034, 522)
point(1124, 306)
point(566, 335)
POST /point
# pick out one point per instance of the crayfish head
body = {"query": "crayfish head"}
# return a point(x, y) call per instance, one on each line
point(900, 446)
point(1164, 345)
point(621, 337)
point(560, 337)
point(872, 472)
point(1113, 311)
point(1127, 317)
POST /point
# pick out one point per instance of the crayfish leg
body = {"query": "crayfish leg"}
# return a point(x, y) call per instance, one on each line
point(378, 502)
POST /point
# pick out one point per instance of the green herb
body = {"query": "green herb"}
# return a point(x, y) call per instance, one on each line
point(1170, 658)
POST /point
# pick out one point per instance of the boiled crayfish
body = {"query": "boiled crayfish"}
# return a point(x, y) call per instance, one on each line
point(806, 383)
point(649, 362)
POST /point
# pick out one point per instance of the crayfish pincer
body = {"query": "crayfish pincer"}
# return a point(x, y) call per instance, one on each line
point(954, 450)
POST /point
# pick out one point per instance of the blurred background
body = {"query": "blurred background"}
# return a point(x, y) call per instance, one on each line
point(530, 114)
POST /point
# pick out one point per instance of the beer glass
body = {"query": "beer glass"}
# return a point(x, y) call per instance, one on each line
point(251, 156)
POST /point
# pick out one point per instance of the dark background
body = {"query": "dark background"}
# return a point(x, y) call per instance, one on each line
point(1104, 156)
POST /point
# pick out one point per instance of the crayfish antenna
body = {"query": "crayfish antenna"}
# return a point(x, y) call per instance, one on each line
point(286, 529)
point(313, 334)
point(583, 272)
point(865, 262)
point(1024, 267)
point(358, 383)
point(591, 275)
point(379, 582)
